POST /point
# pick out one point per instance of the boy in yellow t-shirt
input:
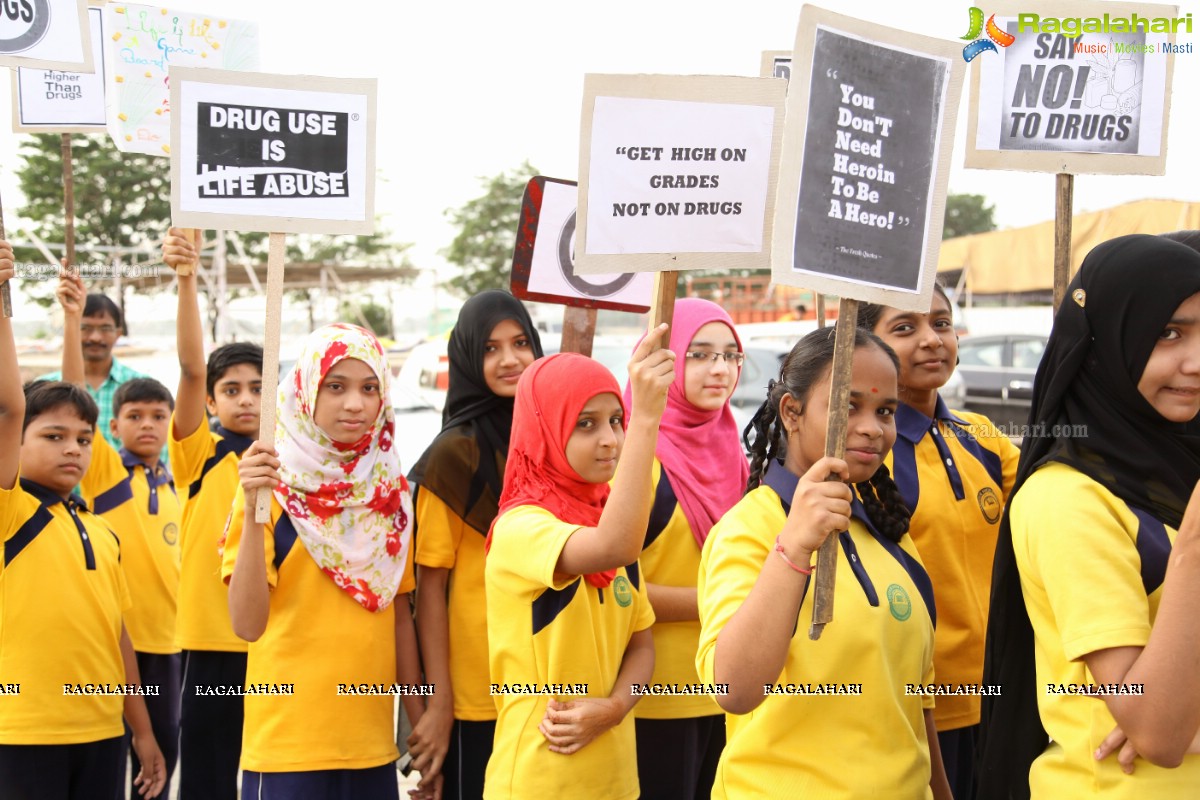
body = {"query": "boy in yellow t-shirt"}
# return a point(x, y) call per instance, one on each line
point(205, 464)
point(66, 663)
point(132, 491)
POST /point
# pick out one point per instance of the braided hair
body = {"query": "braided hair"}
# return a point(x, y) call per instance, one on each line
point(805, 366)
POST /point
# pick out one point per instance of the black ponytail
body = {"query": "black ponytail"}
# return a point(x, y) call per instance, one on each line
point(884, 504)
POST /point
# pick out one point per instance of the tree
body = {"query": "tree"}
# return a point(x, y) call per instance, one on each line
point(121, 199)
point(487, 232)
point(967, 213)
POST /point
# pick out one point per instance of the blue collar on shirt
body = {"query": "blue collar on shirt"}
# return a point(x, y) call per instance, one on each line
point(236, 441)
point(913, 425)
point(156, 477)
point(783, 482)
point(48, 497)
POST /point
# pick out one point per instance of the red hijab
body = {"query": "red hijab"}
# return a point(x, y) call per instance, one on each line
point(550, 395)
point(700, 451)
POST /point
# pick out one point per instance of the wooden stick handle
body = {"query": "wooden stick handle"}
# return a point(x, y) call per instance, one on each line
point(6, 288)
point(579, 330)
point(270, 372)
point(68, 176)
point(835, 447)
point(662, 302)
point(820, 310)
point(1064, 200)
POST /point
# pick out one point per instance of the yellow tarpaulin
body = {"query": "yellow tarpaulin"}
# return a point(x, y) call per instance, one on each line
point(1022, 259)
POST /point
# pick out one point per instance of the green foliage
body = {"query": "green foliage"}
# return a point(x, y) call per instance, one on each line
point(968, 213)
point(121, 199)
point(487, 233)
point(378, 318)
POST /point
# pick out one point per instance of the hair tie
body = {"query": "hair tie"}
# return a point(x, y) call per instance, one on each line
point(771, 384)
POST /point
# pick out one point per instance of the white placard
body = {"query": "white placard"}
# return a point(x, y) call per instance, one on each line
point(144, 43)
point(552, 267)
point(275, 153)
point(59, 101)
point(670, 176)
point(45, 34)
point(1073, 88)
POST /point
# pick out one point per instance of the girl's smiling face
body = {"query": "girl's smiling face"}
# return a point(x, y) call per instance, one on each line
point(707, 384)
point(506, 354)
point(348, 402)
point(926, 344)
point(872, 428)
point(596, 441)
point(1170, 381)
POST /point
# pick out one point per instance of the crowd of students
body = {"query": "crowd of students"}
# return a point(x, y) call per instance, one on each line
point(611, 600)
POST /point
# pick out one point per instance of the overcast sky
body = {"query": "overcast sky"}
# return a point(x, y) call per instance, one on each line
point(471, 88)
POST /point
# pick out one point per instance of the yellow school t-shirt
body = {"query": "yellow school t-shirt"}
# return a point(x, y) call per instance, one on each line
point(871, 744)
point(1083, 554)
point(672, 558)
point(62, 593)
point(547, 630)
point(317, 638)
point(205, 463)
point(955, 476)
point(445, 541)
point(118, 489)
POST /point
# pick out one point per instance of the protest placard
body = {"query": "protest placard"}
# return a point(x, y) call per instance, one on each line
point(677, 172)
point(275, 153)
point(1077, 87)
point(62, 101)
point(544, 257)
point(45, 34)
point(871, 116)
point(143, 43)
point(258, 152)
point(776, 64)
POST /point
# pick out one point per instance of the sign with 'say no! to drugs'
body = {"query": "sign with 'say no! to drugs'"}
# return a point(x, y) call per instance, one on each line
point(275, 153)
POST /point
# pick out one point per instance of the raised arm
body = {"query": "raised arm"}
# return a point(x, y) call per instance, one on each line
point(12, 396)
point(617, 539)
point(180, 255)
point(72, 295)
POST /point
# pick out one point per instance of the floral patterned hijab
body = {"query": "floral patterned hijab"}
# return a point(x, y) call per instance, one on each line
point(349, 503)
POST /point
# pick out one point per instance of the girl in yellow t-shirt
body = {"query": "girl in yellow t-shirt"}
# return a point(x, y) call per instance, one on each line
point(568, 620)
point(321, 590)
point(1096, 586)
point(954, 470)
point(846, 715)
point(457, 491)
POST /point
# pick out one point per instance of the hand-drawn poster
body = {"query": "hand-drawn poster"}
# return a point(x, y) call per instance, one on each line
point(144, 42)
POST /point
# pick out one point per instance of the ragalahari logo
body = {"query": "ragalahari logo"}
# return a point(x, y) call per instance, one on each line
point(977, 45)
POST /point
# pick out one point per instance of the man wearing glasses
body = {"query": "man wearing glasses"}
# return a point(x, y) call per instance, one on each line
point(101, 328)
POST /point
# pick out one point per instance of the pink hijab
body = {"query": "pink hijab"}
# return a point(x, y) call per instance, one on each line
point(700, 451)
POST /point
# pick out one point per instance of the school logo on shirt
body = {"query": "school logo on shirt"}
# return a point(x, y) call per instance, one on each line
point(622, 591)
point(170, 533)
point(898, 602)
point(989, 504)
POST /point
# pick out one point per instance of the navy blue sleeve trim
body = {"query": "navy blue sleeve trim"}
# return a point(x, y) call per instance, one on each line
point(635, 574)
point(662, 510)
point(991, 461)
point(26, 533)
point(1154, 549)
point(285, 537)
point(107, 501)
point(224, 448)
point(550, 603)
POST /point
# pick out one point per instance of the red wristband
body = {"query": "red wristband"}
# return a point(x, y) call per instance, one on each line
point(782, 554)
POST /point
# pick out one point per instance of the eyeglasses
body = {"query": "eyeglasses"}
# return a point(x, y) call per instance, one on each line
point(107, 330)
point(701, 355)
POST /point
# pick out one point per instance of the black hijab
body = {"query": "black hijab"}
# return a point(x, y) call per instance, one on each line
point(1119, 303)
point(464, 465)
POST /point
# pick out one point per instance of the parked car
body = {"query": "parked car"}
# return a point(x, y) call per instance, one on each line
point(998, 371)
